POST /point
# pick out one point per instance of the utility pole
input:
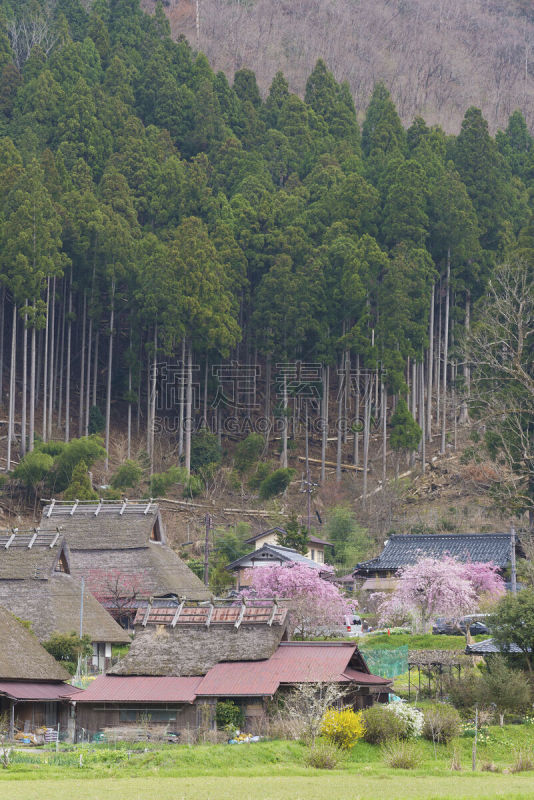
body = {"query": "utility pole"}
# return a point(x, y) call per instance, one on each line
point(207, 550)
point(512, 560)
point(81, 609)
point(308, 484)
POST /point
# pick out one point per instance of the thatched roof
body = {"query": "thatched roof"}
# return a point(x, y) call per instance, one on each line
point(121, 544)
point(22, 657)
point(192, 648)
point(35, 585)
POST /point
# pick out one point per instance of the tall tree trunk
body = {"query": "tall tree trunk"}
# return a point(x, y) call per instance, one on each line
point(422, 416)
point(12, 371)
point(153, 399)
point(88, 377)
point(339, 426)
point(24, 379)
point(129, 449)
point(284, 425)
point(356, 458)
point(95, 366)
point(82, 367)
point(445, 356)
point(384, 430)
point(267, 407)
point(437, 386)
point(110, 365)
point(182, 404)
point(51, 370)
point(464, 411)
point(45, 363)
point(2, 323)
point(430, 367)
point(205, 412)
point(67, 375)
point(32, 387)
point(188, 408)
point(61, 360)
point(366, 431)
point(346, 400)
point(324, 420)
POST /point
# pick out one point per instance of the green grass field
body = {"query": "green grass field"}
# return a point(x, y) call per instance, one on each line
point(325, 786)
point(415, 641)
point(268, 771)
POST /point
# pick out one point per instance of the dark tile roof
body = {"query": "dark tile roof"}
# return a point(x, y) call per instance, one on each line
point(402, 550)
point(489, 646)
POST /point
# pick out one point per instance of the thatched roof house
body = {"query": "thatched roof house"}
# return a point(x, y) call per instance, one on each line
point(22, 656)
point(174, 639)
point(186, 702)
point(36, 585)
point(121, 551)
point(32, 682)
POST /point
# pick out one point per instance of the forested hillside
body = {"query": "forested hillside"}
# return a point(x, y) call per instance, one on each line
point(175, 248)
point(437, 57)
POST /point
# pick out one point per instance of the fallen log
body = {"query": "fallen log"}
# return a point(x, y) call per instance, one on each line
point(332, 464)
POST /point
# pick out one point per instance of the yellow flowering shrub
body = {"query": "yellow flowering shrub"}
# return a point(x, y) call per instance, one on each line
point(343, 728)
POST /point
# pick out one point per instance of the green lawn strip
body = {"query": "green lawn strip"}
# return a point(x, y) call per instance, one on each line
point(415, 641)
point(316, 786)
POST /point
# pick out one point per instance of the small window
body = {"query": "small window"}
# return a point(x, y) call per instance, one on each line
point(312, 555)
point(320, 556)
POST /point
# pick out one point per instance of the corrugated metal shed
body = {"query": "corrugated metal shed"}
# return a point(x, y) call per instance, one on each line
point(133, 689)
point(293, 662)
point(38, 690)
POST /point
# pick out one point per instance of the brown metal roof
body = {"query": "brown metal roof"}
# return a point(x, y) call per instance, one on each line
point(293, 662)
point(171, 614)
point(37, 690)
point(133, 689)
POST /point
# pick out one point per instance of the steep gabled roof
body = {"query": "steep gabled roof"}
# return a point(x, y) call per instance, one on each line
point(32, 554)
point(201, 639)
point(122, 544)
point(402, 550)
point(22, 657)
point(35, 585)
point(271, 552)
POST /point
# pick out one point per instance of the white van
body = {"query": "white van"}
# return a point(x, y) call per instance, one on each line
point(353, 625)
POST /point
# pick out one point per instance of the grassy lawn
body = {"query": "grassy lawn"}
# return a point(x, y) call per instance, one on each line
point(268, 770)
point(335, 786)
point(415, 641)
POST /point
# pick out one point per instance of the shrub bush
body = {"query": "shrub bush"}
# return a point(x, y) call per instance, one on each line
point(276, 483)
point(323, 755)
point(399, 754)
point(248, 452)
point(342, 727)
point(524, 760)
point(442, 724)
point(128, 475)
point(97, 421)
point(257, 478)
point(412, 719)
point(205, 449)
point(228, 715)
point(380, 725)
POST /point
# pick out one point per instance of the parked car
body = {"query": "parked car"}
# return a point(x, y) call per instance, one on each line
point(448, 627)
point(353, 625)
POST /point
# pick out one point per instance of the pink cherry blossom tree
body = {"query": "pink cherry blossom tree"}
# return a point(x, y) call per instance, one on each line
point(441, 587)
point(314, 603)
